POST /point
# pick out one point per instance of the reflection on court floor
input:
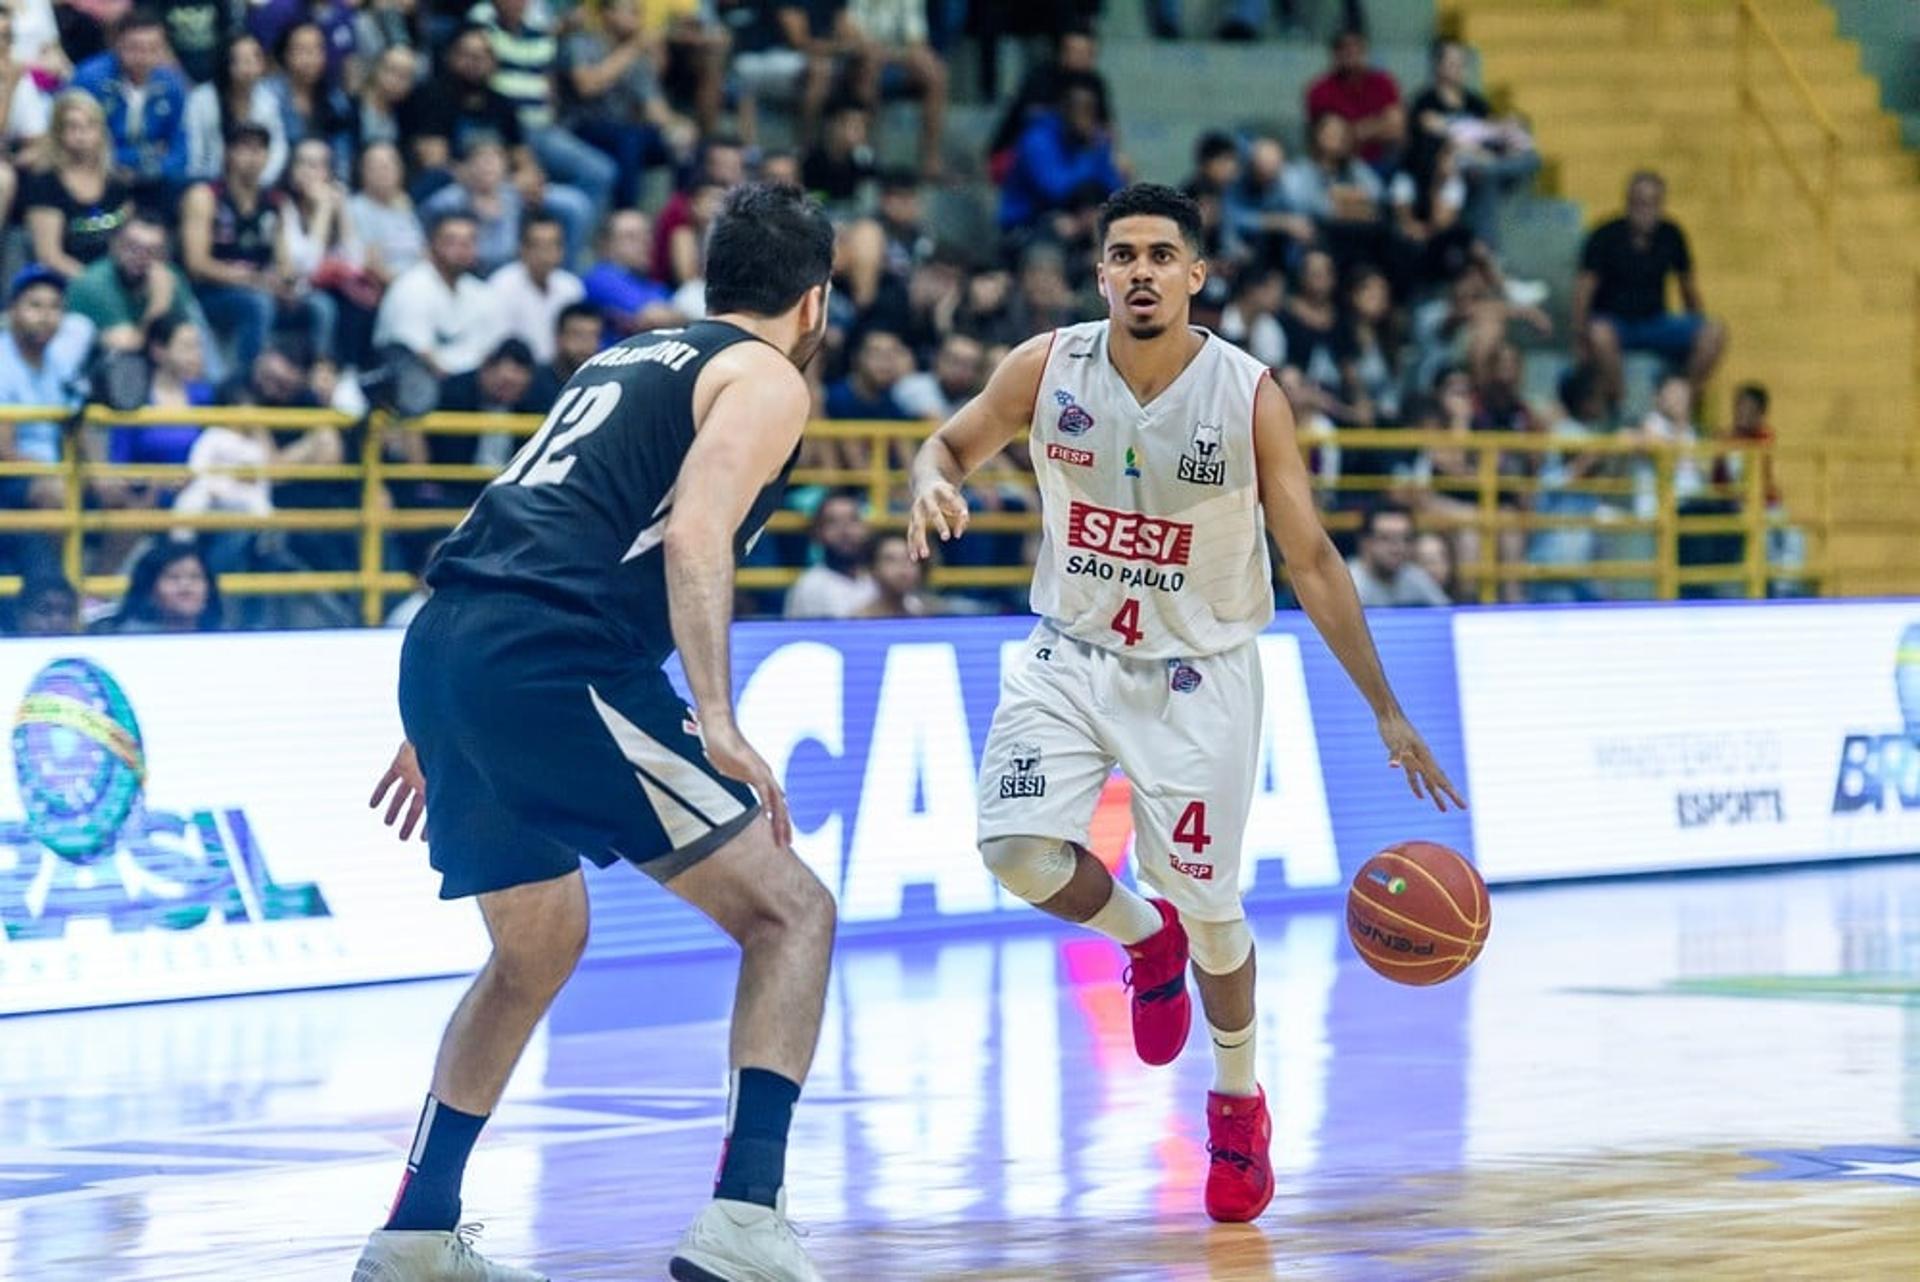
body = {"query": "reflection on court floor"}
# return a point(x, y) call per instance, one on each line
point(1702, 1077)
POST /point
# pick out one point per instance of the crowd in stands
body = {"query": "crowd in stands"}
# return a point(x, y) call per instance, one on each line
point(296, 205)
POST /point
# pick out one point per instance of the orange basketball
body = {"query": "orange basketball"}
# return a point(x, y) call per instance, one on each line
point(1418, 913)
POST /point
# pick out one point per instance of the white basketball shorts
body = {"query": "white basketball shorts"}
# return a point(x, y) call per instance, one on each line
point(1185, 731)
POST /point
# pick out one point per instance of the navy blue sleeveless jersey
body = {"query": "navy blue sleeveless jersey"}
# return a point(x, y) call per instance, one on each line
point(578, 517)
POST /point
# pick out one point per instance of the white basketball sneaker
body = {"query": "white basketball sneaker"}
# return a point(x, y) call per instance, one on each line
point(412, 1255)
point(742, 1242)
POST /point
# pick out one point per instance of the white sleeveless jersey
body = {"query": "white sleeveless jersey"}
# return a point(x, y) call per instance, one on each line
point(1152, 541)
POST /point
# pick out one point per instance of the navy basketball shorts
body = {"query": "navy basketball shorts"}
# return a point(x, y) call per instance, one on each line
point(542, 741)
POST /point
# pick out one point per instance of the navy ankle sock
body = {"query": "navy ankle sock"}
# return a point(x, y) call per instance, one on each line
point(754, 1164)
point(429, 1196)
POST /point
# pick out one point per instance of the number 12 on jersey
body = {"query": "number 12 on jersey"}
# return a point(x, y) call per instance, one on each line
point(579, 413)
point(1127, 621)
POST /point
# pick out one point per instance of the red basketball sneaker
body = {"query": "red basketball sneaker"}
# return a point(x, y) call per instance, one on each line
point(1162, 1011)
point(1240, 1177)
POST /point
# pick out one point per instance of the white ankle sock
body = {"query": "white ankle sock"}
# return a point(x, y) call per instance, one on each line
point(1127, 917)
point(1233, 1060)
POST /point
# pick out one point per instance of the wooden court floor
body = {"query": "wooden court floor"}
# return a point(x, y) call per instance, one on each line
point(1696, 1078)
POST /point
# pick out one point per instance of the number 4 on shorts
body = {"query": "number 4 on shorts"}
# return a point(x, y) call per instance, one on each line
point(1127, 621)
point(1191, 831)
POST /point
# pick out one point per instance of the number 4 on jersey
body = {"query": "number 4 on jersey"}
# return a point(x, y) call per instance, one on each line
point(1127, 622)
point(1191, 831)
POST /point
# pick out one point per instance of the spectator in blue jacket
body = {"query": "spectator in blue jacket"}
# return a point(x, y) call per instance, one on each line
point(1061, 156)
point(145, 100)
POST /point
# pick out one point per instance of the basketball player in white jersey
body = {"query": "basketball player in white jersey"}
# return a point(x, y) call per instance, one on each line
point(1165, 456)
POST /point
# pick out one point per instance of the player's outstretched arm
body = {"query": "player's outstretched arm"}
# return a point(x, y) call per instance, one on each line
point(1326, 592)
point(981, 429)
point(752, 423)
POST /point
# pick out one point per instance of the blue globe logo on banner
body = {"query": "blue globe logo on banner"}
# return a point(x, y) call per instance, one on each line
point(1906, 677)
point(79, 760)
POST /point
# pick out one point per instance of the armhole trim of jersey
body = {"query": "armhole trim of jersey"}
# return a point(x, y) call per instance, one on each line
point(1033, 415)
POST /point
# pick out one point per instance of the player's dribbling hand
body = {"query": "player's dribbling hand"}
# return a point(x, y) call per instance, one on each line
point(941, 507)
point(409, 788)
point(735, 758)
point(1407, 751)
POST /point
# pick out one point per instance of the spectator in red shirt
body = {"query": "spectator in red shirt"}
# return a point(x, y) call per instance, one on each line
point(1363, 95)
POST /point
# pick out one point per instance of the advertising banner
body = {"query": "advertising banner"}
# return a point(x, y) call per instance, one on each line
point(1637, 739)
point(186, 816)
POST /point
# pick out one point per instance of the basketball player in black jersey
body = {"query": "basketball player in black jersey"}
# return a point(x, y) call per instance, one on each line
point(540, 728)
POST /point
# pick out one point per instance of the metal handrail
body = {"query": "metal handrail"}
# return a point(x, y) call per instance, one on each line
point(1751, 24)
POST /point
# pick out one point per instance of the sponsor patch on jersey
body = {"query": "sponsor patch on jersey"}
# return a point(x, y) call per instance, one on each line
point(1130, 536)
point(1074, 419)
point(1205, 462)
point(1025, 779)
point(1197, 871)
point(1133, 463)
point(1182, 677)
point(1067, 454)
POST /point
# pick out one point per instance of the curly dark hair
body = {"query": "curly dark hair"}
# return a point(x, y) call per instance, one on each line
point(1154, 200)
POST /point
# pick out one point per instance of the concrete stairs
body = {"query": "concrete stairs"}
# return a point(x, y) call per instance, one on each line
point(1612, 86)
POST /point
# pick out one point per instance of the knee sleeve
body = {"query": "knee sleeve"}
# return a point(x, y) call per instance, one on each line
point(1034, 868)
point(1218, 947)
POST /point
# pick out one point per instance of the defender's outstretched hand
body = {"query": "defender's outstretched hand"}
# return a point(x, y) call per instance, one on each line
point(409, 788)
point(1407, 751)
point(940, 506)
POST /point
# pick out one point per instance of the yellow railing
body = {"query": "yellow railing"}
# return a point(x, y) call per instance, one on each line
point(1751, 30)
point(1489, 488)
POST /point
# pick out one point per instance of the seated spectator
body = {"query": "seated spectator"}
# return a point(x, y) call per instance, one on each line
point(33, 32)
point(677, 246)
point(896, 580)
point(698, 51)
point(1468, 325)
point(1495, 156)
point(779, 56)
point(1620, 296)
point(880, 362)
point(481, 191)
point(959, 372)
point(1668, 423)
point(238, 91)
point(177, 358)
point(448, 114)
point(46, 607)
point(526, 53)
point(1318, 343)
point(530, 293)
point(382, 100)
point(888, 49)
point(503, 384)
point(1216, 162)
point(145, 101)
point(197, 32)
point(986, 309)
point(381, 26)
point(1433, 244)
point(1362, 95)
point(326, 258)
point(171, 589)
point(1076, 53)
point(622, 286)
point(1260, 215)
point(383, 214)
point(1432, 553)
point(26, 107)
point(233, 245)
point(841, 169)
point(1251, 318)
point(73, 202)
point(1583, 414)
point(1045, 300)
point(43, 351)
point(1500, 396)
point(577, 339)
point(1374, 347)
point(132, 287)
point(438, 309)
point(1062, 154)
point(606, 70)
point(312, 103)
point(1382, 573)
point(837, 585)
point(1341, 195)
